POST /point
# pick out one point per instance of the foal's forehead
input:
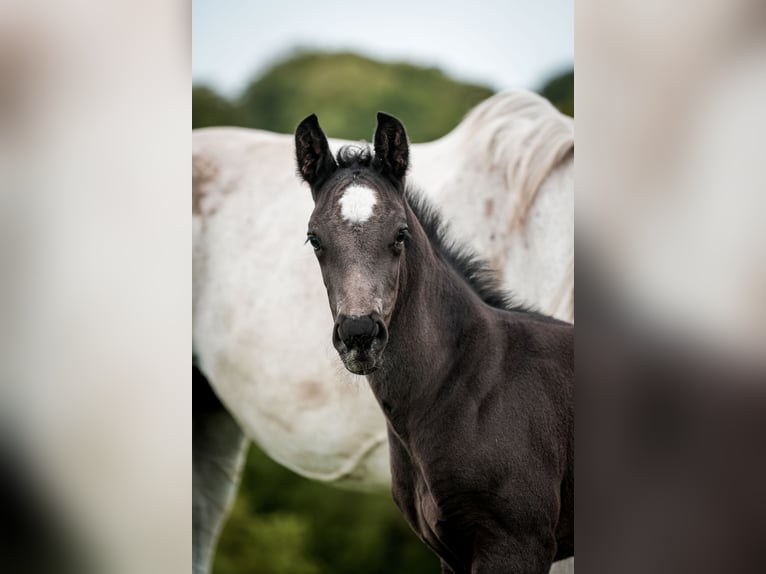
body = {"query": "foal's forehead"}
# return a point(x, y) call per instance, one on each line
point(360, 200)
point(357, 203)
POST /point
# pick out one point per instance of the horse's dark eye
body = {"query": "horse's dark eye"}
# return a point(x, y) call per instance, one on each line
point(401, 237)
point(315, 243)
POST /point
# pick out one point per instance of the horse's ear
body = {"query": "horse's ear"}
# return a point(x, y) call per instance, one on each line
point(392, 152)
point(315, 161)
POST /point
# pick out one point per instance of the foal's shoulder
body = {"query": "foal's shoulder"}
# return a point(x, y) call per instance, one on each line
point(535, 334)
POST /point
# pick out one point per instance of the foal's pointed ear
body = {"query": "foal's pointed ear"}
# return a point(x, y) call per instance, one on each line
point(315, 161)
point(392, 152)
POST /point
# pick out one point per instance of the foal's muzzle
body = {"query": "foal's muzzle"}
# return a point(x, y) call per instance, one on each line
point(360, 340)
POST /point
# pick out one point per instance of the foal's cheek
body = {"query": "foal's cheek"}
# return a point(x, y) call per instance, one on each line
point(389, 301)
point(331, 299)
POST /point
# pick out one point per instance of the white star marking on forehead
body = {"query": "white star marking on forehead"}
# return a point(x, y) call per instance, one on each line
point(357, 203)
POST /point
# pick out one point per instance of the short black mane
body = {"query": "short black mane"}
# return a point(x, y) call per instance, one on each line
point(482, 279)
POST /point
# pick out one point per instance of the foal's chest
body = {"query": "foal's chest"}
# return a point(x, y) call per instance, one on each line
point(422, 509)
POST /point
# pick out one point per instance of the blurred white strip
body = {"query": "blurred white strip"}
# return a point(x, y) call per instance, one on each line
point(670, 173)
point(98, 386)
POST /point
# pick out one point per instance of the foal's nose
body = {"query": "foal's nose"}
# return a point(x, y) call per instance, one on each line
point(359, 332)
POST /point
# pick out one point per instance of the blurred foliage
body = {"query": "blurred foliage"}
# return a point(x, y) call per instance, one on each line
point(346, 90)
point(211, 109)
point(560, 91)
point(282, 523)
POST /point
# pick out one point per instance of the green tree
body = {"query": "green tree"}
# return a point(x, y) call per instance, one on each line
point(345, 90)
point(559, 89)
point(211, 109)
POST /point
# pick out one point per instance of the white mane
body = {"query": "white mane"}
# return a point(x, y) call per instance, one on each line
point(521, 133)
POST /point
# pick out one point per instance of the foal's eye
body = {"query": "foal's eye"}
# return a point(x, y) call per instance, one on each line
point(400, 238)
point(315, 243)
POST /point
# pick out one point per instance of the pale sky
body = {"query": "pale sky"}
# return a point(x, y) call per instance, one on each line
point(501, 43)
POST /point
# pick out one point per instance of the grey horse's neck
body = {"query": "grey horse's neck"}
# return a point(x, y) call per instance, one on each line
point(436, 313)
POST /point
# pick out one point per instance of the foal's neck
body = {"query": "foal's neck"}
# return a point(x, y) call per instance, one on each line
point(436, 311)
